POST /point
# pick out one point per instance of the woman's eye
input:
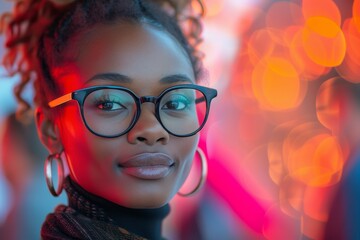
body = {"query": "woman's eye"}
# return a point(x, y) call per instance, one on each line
point(110, 106)
point(176, 103)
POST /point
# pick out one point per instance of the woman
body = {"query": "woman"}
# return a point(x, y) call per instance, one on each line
point(117, 98)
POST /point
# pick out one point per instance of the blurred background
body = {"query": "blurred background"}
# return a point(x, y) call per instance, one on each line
point(281, 140)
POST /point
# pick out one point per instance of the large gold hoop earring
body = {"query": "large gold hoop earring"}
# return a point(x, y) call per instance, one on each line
point(48, 173)
point(204, 170)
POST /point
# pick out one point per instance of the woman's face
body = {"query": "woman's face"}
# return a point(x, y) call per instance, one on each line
point(118, 169)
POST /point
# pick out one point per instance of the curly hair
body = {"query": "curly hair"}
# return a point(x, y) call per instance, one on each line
point(37, 32)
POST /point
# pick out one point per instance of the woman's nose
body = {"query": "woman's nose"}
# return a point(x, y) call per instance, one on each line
point(148, 129)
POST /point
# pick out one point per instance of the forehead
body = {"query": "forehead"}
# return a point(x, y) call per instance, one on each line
point(142, 52)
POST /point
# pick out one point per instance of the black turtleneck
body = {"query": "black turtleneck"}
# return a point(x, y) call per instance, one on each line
point(143, 222)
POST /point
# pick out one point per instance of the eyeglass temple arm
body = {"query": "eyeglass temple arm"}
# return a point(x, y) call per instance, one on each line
point(60, 100)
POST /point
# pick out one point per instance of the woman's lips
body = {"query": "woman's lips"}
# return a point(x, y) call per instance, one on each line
point(148, 166)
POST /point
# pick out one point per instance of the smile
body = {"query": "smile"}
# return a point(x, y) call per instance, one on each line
point(148, 166)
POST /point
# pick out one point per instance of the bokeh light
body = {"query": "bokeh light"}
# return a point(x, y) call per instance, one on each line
point(324, 42)
point(276, 84)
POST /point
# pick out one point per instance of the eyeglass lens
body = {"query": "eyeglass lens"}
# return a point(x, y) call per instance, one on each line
point(110, 112)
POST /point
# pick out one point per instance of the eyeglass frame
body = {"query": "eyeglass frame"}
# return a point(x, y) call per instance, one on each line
point(81, 95)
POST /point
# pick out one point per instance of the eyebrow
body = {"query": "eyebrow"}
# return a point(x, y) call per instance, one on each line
point(175, 78)
point(116, 77)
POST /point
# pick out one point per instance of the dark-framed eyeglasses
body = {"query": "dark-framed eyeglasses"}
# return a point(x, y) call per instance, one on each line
point(112, 111)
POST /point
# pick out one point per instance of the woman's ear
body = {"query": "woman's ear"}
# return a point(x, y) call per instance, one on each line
point(48, 131)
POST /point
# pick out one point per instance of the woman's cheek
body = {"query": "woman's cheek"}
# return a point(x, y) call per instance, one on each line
point(188, 154)
point(83, 146)
point(70, 121)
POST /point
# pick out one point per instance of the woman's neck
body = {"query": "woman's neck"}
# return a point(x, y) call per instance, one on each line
point(143, 222)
